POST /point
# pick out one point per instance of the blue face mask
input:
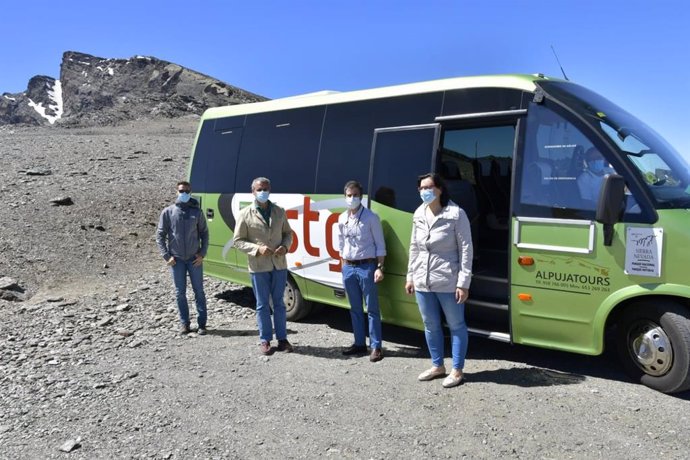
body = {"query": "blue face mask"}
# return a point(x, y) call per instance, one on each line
point(597, 166)
point(183, 197)
point(262, 196)
point(427, 195)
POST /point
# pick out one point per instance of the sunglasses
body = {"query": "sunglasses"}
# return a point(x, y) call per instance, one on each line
point(183, 191)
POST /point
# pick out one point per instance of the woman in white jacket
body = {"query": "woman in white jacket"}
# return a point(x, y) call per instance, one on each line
point(439, 273)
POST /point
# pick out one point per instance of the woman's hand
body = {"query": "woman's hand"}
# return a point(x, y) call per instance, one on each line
point(409, 287)
point(461, 295)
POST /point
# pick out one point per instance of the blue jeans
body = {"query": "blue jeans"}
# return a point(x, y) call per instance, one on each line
point(196, 276)
point(359, 285)
point(430, 306)
point(270, 286)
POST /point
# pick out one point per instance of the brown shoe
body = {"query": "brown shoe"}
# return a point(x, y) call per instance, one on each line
point(284, 345)
point(376, 355)
point(265, 348)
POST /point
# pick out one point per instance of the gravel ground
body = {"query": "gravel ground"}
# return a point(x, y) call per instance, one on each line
point(90, 361)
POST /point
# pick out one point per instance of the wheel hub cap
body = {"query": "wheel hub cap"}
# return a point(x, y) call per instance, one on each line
point(652, 349)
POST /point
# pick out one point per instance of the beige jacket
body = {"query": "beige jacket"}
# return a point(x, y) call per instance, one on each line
point(251, 232)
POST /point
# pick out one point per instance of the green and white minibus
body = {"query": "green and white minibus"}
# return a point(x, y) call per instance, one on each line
point(554, 267)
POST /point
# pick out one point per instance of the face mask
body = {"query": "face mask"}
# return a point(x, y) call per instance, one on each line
point(597, 166)
point(183, 197)
point(353, 202)
point(427, 195)
point(262, 196)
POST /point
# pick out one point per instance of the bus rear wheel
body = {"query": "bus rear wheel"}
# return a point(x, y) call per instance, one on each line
point(295, 305)
point(653, 342)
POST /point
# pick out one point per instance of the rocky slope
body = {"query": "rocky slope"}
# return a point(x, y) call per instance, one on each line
point(93, 90)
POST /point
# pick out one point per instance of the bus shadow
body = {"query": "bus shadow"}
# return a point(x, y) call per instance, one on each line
point(337, 352)
point(525, 377)
point(545, 367)
point(239, 295)
point(232, 332)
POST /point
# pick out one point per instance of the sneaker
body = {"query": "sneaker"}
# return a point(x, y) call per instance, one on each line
point(284, 345)
point(201, 331)
point(184, 329)
point(355, 350)
point(265, 348)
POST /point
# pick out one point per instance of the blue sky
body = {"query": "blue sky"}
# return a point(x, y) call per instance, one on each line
point(636, 53)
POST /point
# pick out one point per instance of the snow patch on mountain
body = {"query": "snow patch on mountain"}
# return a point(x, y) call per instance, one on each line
point(55, 95)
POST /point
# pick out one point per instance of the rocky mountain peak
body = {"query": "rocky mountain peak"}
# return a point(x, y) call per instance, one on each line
point(94, 90)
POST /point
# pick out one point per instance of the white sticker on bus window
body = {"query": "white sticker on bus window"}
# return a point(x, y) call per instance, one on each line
point(643, 251)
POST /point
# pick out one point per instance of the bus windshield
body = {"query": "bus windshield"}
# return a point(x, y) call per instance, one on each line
point(663, 170)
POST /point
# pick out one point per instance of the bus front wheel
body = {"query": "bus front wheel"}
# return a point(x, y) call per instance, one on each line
point(297, 308)
point(653, 343)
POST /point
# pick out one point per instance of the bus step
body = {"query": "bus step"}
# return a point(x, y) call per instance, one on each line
point(493, 335)
point(492, 289)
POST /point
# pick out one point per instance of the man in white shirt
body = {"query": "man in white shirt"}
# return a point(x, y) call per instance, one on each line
point(362, 251)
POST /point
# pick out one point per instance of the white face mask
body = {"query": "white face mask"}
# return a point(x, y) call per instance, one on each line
point(353, 202)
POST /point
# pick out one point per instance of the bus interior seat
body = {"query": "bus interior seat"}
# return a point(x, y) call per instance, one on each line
point(499, 172)
point(568, 194)
point(461, 191)
point(536, 182)
point(481, 174)
point(498, 202)
point(577, 161)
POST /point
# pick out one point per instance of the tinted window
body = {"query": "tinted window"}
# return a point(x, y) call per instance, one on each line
point(399, 159)
point(561, 169)
point(282, 146)
point(349, 132)
point(477, 164)
point(215, 157)
point(662, 170)
point(478, 100)
point(202, 151)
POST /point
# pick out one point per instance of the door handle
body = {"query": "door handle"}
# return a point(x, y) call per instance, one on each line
point(209, 213)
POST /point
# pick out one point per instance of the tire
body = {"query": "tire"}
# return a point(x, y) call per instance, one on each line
point(653, 343)
point(297, 308)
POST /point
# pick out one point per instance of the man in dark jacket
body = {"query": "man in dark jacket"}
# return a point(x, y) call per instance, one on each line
point(182, 239)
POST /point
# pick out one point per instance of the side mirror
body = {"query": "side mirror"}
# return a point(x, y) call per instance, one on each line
point(611, 204)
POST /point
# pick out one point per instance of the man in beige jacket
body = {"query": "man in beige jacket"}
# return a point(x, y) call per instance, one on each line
point(263, 233)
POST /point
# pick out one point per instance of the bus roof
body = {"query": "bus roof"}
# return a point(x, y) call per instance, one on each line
point(518, 81)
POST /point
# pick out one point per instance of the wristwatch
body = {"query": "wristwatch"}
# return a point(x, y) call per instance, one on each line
point(380, 267)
